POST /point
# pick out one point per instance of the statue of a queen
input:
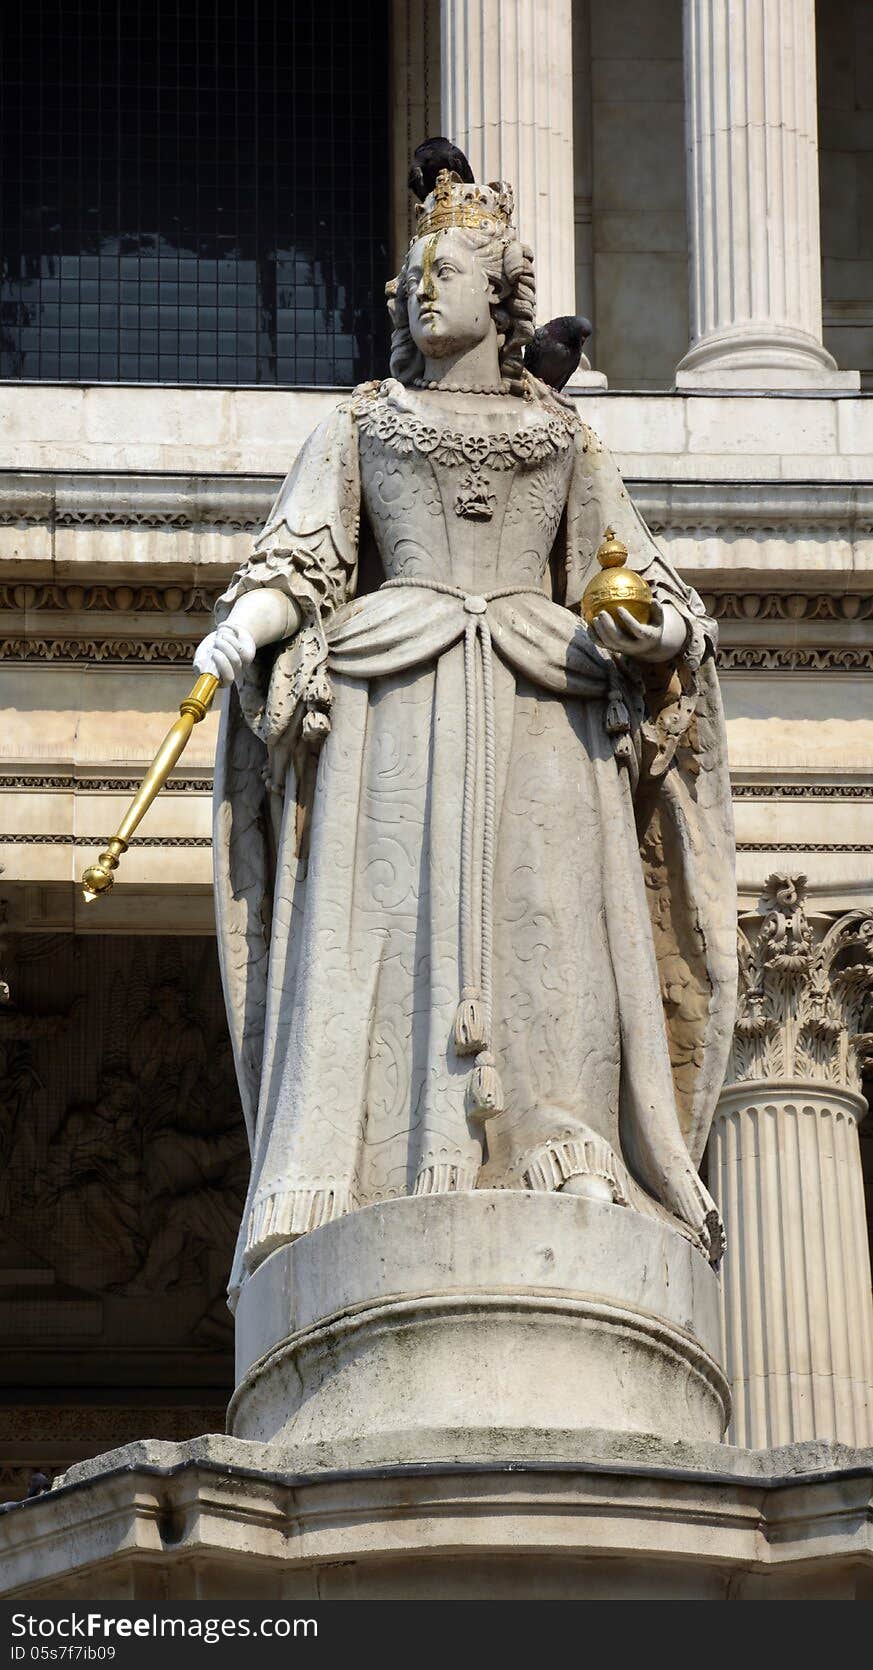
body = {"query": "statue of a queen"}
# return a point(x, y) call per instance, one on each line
point(474, 858)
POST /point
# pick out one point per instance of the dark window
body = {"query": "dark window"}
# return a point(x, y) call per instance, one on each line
point(194, 191)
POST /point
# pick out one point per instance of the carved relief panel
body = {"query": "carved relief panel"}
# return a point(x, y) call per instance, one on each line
point(123, 1164)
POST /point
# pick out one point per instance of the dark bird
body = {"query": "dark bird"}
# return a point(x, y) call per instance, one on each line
point(555, 350)
point(429, 158)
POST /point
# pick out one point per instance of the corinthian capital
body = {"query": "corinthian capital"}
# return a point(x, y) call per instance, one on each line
point(805, 1008)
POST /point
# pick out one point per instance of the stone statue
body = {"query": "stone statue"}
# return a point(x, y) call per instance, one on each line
point(474, 859)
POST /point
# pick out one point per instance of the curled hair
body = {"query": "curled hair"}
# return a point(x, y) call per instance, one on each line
point(509, 267)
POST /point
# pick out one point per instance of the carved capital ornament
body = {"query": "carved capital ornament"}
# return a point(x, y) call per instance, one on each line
point(805, 1008)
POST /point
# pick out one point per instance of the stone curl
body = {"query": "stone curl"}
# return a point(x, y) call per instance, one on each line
point(509, 267)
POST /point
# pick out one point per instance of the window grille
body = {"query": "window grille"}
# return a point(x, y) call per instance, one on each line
point(194, 191)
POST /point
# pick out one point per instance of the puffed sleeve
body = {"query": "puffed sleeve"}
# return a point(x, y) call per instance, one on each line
point(309, 550)
point(598, 499)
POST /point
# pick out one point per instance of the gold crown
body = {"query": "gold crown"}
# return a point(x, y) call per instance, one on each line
point(452, 203)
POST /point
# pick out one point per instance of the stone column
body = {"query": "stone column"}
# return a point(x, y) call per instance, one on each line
point(753, 198)
point(785, 1169)
point(507, 100)
point(415, 103)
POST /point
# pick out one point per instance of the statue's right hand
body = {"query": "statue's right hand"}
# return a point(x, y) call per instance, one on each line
point(225, 652)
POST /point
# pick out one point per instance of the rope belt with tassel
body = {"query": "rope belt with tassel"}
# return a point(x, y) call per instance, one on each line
point(474, 1019)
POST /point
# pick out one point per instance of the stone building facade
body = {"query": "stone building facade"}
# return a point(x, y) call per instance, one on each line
point(696, 178)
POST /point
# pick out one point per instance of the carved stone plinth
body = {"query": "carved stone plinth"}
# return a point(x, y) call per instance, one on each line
point(449, 1315)
point(785, 1168)
point(598, 1516)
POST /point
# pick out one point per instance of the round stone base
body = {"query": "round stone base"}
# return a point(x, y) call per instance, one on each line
point(460, 1313)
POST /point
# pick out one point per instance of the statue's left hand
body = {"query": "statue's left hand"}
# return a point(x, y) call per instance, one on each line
point(660, 640)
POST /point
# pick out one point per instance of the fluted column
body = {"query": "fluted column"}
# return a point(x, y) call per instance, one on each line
point(753, 198)
point(507, 100)
point(785, 1168)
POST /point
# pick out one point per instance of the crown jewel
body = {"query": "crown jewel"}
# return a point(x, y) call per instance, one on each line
point(453, 203)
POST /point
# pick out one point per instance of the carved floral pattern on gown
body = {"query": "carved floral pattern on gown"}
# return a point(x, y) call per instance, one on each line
point(357, 899)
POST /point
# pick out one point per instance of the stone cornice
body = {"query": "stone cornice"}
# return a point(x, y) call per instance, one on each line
point(24, 596)
point(168, 499)
point(63, 782)
point(748, 606)
point(104, 648)
point(793, 658)
point(66, 781)
point(126, 500)
point(105, 652)
point(69, 839)
point(760, 507)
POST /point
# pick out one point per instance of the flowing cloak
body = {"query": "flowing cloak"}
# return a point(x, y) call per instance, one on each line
point(664, 814)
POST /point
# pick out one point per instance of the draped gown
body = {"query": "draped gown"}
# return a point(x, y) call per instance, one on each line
point(473, 877)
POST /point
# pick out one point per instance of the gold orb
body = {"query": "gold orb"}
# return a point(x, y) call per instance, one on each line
point(616, 586)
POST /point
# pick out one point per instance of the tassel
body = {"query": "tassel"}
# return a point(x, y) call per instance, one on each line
point(470, 1022)
point(486, 1089)
point(617, 721)
point(617, 716)
point(315, 727)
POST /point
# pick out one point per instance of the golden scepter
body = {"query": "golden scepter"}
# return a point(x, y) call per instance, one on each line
point(98, 878)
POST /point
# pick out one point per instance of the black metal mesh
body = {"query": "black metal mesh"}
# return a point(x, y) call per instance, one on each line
point(193, 190)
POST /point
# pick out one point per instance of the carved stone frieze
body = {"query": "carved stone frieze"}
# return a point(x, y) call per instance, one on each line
point(796, 791)
point(793, 658)
point(804, 846)
point(106, 651)
point(790, 606)
point(176, 650)
point(732, 609)
point(805, 1007)
point(136, 599)
point(62, 783)
point(69, 839)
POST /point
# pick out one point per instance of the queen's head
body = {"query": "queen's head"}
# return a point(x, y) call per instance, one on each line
point(466, 280)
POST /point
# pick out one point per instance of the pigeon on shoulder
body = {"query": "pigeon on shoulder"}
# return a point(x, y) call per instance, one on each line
point(555, 350)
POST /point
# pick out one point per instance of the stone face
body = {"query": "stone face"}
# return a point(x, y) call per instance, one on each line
point(420, 1319)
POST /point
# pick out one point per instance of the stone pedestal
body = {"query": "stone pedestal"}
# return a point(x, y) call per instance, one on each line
point(798, 1321)
point(753, 198)
point(450, 1315)
point(597, 1516)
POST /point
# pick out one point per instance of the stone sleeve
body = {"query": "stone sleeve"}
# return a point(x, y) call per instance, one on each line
point(598, 499)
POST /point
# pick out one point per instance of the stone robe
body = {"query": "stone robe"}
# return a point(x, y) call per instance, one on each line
point(442, 786)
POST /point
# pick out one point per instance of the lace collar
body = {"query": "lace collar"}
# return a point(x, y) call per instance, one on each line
point(385, 411)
